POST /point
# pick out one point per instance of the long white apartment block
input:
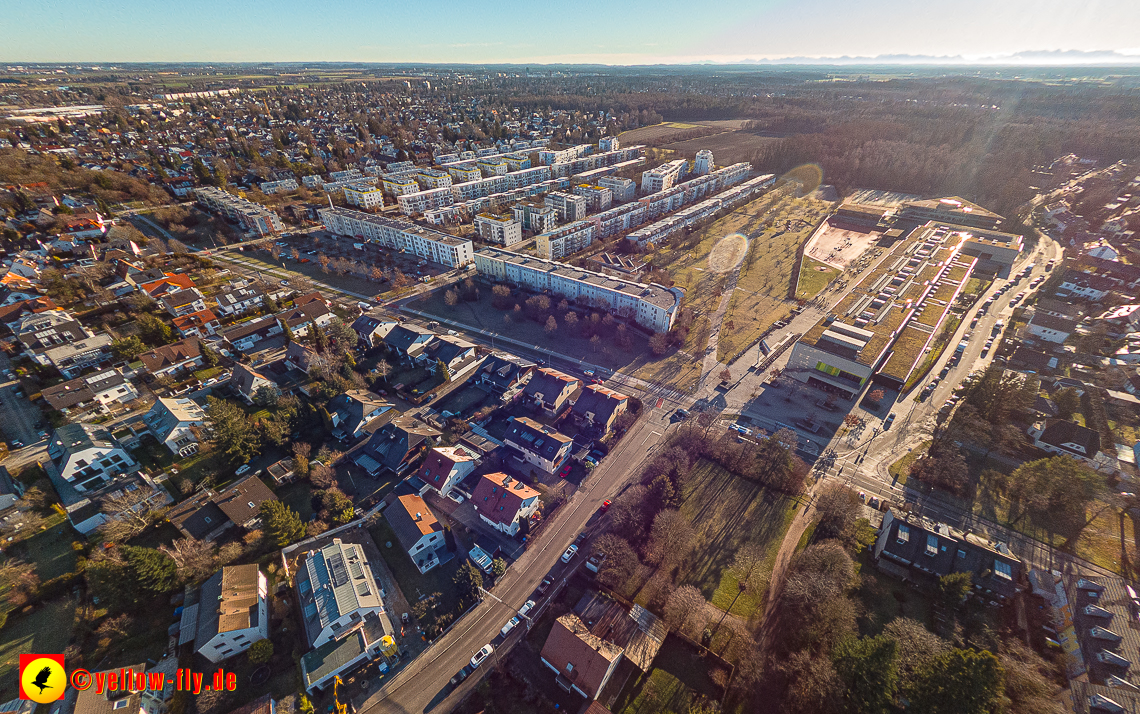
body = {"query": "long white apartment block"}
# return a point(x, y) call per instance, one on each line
point(619, 218)
point(597, 197)
point(664, 176)
point(347, 175)
point(569, 207)
point(527, 177)
point(284, 186)
point(312, 181)
point(369, 197)
point(400, 185)
point(624, 190)
point(652, 306)
point(492, 167)
point(250, 215)
point(552, 156)
point(517, 162)
point(482, 187)
point(692, 216)
point(503, 230)
point(467, 210)
point(431, 178)
point(334, 186)
point(423, 201)
point(399, 235)
point(567, 240)
point(461, 173)
point(596, 161)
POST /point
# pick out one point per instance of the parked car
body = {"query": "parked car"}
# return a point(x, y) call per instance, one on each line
point(565, 470)
point(569, 554)
point(481, 655)
point(241, 470)
point(605, 506)
point(888, 421)
point(545, 584)
point(526, 608)
point(509, 626)
point(460, 675)
point(581, 537)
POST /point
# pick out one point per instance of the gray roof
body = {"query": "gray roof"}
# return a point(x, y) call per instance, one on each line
point(393, 443)
point(72, 438)
point(403, 337)
point(334, 581)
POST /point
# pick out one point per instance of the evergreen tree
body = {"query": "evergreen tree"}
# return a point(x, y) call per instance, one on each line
point(233, 433)
point(153, 569)
point(468, 580)
point(281, 523)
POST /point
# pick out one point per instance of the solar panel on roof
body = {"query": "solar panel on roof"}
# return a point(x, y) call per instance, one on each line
point(337, 571)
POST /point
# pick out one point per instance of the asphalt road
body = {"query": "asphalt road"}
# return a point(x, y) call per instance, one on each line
point(424, 685)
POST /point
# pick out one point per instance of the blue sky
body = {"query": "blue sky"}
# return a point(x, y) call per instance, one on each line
point(586, 31)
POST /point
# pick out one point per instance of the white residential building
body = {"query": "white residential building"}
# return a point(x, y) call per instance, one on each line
point(608, 143)
point(418, 530)
point(399, 185)
point(550, 156)
point(432, 178)
point(174, 423)
point(664, 176)
point(251, 216)
point(568, 206)
point(367, 197)
point(336, 591)
point(87, 456)
point(652, 306)
point(462, 173)
point(704, 163)
point(597, 197)
point(566, 240)
point(622, 189)
point(421, 201)
point(535, 218)
point(232, 612)
point(284, 186)
point(400, 235)
point(492, 167)
point(498, 229)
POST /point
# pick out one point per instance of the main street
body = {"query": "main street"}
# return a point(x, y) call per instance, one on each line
point(423, 685)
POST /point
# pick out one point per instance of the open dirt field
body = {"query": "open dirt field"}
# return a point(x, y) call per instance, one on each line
point(838, 246)
point(677, 130)
point(728, 147)
point(727, 253)
point(875, 197)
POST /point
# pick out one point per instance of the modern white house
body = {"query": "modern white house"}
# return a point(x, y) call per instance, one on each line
point(87, 456)
point(232, 612)
point(336, 591)
point(174, 421)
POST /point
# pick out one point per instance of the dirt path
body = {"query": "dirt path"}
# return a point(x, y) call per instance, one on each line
point(735, 248)
point(780, 568)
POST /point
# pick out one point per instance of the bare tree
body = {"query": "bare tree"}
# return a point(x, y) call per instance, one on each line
point(195, 559)
point(748, 566)
point(18, 580)
point(128, 514)
point(838, 508)
point(670, 539)
point(685, 610)
point(322, 475)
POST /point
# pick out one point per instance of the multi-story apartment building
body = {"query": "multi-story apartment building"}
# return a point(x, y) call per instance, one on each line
point(597, 198)
point(482, 187)
point(658, 232)
point(461, 173)
point(87, 456)
point(432, 178)
point(623, 190)
point(528, 177)
point(517, 162)
point(492, 167)
point(504, 230)
point(704, 163)
point(652, 306)
point(566, 240)
point(399, 185)
point(568, 206)
point(663, 201)
point(423, 201)
point(664, 176)
point(251, 216)
point(399, 235)
point(548, 157)
point(608, 143)
point(535, 218)
point(369, 197)
point(619, 219)
point(284, 186)
point(347, 175)
point(312, 181)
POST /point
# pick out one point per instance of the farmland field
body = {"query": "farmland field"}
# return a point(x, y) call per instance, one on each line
point(729, 147)
point(677, 130)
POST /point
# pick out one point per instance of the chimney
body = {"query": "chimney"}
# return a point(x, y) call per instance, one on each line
point(419, 515)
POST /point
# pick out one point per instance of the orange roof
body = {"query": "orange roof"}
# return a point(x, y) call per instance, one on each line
point(170, 279)
point(195, 319)
point(427, 522)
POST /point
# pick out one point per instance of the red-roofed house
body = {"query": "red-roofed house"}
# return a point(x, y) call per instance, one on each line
point(167, 284)
point(171, 359)
point(446, 466)
point(89, 225)
point(197, 324)
point(417, 529)
point(503, 501)
point(599, 407)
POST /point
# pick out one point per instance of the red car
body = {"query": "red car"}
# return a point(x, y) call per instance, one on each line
point(598, 380)
point(605, 506)
point(565, 471)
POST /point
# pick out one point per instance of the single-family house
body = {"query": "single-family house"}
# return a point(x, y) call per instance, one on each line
point(336, 591)
point(501, 373)
point(229, 612)
point(550, 390)
point(125, 495)
point(247, 381)
point(372, 330)
point(408, 341)
point(104, 389)
point(95, 700)
point(504, 502)
point(183, 302)
point(197, 324)
point(74, 357)
point(452, 352)
point(245, 336)
point(395, 446)
point(175, 423)
point(39, 331)
point(352, 411)
point(598, 407)
point(1068, 438)
point(420, 533)
point(446, 466)
point(301, 357)
point(208, 513)
point(1051, 329)
point(302, 318)
point(158, 287)
point(173, 359)
point(537, 444)
point(239, 301)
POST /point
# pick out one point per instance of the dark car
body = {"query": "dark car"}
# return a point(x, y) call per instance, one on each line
point(461, 675)
point(545, 584)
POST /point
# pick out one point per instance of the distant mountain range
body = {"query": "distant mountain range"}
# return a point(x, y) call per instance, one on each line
point(1036, 58)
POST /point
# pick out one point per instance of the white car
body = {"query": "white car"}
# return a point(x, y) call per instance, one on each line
point(481, 655)
point(526, 608)
point(569, 554)
point(509, 626)
point(243, 469)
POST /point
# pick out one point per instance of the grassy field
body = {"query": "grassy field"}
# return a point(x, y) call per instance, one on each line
point(310, 270)
point(677, 679)
point(412, 583)
point(47, 629)
point(674, 130)
point(50, 550)
point(762, 288)
point(728, 513)
point(900, 469)
point(728, 147)
point(814, 277)
point(886, 598)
